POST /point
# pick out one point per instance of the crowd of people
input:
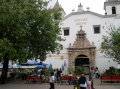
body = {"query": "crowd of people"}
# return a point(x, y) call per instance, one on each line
point(56, 75)
point(81, 82)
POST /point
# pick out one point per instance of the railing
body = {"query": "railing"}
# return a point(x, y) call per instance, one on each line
point(33, 79)
point(113, 78)
point(68, 79)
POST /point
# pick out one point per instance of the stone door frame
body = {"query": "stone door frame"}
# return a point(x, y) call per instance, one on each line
point(81, 46)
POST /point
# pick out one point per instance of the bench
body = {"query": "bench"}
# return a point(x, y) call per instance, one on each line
point(113, 78)
point(33, 79)
point(64, 79)
point(67, 79)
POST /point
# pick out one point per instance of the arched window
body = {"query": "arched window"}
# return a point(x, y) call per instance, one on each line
point(113, 10)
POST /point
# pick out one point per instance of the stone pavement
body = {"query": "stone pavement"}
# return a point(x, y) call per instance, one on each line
point(34, 86)
point(23, 85)
point(98, 85)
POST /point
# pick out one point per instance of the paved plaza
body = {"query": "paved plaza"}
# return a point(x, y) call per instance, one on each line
point(98, 85)
point(23, 85)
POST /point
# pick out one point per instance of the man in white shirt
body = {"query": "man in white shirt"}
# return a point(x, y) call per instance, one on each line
point(52, 80)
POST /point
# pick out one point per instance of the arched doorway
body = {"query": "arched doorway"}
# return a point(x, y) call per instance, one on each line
point(82, 61)
point(81, 53)
point(113, 10)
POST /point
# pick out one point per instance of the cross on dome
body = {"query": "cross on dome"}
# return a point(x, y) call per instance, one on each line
point(80, 8)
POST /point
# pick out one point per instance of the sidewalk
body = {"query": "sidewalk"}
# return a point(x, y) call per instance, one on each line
point(98, 85)
point(34, 86)
point(23, 85)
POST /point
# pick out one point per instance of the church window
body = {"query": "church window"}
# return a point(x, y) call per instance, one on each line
point(66, 32)
point(96, 29)
point(113, 10)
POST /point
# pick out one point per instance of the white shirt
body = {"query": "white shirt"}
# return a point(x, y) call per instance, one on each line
point(97, 71)
point(52, 79)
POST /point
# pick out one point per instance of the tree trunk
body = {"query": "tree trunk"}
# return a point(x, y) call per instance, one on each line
point(4, 70)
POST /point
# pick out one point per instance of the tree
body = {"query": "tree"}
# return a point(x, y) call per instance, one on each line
point(27, 30)
point(111, 43)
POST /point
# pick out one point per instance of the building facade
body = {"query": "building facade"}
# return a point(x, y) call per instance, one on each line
point(83, 32)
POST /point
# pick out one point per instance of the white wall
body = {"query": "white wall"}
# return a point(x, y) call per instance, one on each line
point(89, 19)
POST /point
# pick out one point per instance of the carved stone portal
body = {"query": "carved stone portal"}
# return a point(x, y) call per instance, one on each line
point(80, 47)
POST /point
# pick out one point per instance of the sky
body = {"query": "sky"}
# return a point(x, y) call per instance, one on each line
point(94, 5)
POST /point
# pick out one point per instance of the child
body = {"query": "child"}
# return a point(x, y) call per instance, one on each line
point(89, 84)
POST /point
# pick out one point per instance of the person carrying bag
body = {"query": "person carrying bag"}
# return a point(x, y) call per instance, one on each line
point(83, 82)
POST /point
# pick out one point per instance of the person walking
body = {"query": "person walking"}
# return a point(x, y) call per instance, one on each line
point(89, 84)
point(52, 80)
point(83, 82)
point(97, 73)
point(70, 78)
point(91, 76)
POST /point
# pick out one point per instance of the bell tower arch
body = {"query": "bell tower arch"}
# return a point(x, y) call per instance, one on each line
point(111, 7)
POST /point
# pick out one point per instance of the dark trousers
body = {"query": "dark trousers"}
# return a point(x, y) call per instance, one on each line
point(83, 88)
point(52, 86)
point(58, 79)
point(97, 75)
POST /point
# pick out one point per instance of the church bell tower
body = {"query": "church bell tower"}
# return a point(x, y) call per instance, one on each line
point(112, 7)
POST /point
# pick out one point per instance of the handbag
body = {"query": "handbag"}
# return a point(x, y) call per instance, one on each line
point(83, 85)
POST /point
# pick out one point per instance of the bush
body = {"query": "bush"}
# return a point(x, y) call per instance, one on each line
point(48, 72)
point(112, 71)
point(118, 72)
point(72, 71)
point(79, 70)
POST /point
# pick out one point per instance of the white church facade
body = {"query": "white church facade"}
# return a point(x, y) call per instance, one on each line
point(83, 32)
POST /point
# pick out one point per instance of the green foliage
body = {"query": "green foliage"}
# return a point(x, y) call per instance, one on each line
point(117, 71)
point(79, 70)
point(111, 43)
point(48, 72)
point(72, 71)
point(28, 29)
point(111, 71)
